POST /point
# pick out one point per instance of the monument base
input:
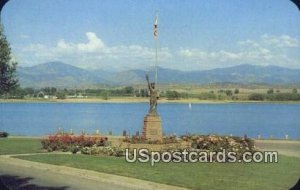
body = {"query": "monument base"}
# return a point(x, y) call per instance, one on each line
point(152, 127)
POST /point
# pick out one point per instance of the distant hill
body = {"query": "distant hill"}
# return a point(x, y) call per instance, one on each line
point(63, 75)
point(243, 74)
point(247, 74)
point(57, 74)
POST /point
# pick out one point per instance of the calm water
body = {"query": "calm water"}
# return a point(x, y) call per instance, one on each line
point(238, 119)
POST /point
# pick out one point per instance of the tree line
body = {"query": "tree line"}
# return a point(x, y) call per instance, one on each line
point(129, 91)
point(271, 95)
point(59, 93)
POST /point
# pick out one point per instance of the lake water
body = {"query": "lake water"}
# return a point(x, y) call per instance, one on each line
point(36, 119)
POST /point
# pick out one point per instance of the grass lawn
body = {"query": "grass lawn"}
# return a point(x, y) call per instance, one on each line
point(20, 145)
point(272, 176)
point(282, 175)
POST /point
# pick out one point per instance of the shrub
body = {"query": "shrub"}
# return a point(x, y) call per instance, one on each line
point(108, 151)
point(294, 91)
point(4, 134)
point(218, 143)
point(170, 139)
point(228, 92)
point(236, 91)
point(68, 142)
point(209, 143)
point(270, 91)
point(74, 149)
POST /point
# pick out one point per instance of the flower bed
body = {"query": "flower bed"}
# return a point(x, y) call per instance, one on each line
point(71, 142)
point(214, 143)
point(97, 145)
point(103, 150)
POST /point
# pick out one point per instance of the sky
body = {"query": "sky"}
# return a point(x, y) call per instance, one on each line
point(118, 34)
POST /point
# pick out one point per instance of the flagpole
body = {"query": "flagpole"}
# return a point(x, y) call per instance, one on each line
point(156, 44)
point(156, 60)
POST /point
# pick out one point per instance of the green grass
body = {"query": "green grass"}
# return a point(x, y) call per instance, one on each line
point(282, 175)
point(20, 145)
point(215, 176)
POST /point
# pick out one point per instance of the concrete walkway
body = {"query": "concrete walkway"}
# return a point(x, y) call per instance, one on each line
point(23, 174)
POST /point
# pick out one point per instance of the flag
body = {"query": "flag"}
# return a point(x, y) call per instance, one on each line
point(155, 32)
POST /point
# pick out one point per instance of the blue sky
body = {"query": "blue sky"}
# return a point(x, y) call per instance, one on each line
point(118, 34)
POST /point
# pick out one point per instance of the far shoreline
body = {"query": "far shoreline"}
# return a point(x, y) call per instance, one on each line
point(142, 100)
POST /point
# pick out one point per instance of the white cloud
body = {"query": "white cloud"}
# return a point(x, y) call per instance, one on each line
point(249, 42)
point(94, 43)
point(223, 56)
point(206, 56)
point(61, 44)
point(280, 41)
point(267, 50)
point(95, 53)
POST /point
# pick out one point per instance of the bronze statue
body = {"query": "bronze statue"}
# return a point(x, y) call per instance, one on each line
point(153, 97)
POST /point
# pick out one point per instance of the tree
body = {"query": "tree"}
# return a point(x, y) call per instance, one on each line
point(17, 93)
point(228, 92)
point(29, 91)
point(53, 91)
point(105, 94)
point(129, 90)
point(61, 95)
point(144, 92)
point(270, 91)
point(294, 91)
point(236, 91)
point(171, 95)
point(8, 79)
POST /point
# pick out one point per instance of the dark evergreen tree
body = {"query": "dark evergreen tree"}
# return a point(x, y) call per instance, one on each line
point(8, 78)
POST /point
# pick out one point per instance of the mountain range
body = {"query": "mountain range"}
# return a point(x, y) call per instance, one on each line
point(58, 74)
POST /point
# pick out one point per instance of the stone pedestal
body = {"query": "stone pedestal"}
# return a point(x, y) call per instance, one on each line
point(152, 127)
